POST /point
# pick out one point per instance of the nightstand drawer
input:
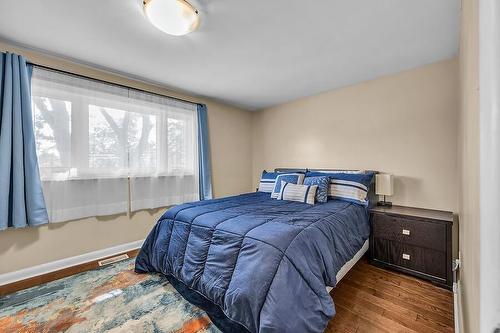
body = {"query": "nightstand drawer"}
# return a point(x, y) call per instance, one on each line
point(410, 231)
point(416, 258)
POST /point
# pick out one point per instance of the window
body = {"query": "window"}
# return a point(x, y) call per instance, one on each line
point(90, 132)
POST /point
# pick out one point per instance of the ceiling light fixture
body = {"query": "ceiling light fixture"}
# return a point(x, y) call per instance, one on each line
point(174, 17)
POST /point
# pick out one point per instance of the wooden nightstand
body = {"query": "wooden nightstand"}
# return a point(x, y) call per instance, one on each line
point(414, 241)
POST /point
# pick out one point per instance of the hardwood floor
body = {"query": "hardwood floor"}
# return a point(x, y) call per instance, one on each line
point(371, 299)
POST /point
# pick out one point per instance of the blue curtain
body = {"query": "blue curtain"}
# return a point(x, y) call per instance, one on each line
point(204, 154)
point(21, 197)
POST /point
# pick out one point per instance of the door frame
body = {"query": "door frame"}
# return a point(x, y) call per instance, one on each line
point(489, 129)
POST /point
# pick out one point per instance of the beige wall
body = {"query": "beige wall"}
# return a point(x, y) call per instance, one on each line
point(230, 141)
point(404, 124)
point(468, 151)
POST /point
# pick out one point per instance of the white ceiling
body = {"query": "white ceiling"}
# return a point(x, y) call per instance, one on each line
point(249, 53)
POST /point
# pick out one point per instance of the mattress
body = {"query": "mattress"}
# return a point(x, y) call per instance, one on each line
point(350, 264)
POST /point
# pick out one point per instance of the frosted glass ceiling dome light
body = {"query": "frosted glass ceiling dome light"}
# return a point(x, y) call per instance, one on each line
point(174, 17)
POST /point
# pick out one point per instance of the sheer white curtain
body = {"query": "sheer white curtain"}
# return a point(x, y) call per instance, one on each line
point(92, 137)
point(175, 178)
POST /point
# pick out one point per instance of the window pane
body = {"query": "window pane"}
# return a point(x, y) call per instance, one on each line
point(142, 142)
point(177, 145)
point(121, 139)
point(52, 123)
point(107, 137)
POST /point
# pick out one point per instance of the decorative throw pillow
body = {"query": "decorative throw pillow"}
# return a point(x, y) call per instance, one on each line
point(323, 183)
point(337, 171)
point(300, 193)
point(352, 187)
point(267, 181)
point(294, 178)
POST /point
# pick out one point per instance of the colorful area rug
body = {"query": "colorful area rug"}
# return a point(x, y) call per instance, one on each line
point(110, 299)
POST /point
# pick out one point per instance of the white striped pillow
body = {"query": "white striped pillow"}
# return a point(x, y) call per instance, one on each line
point(267, 181)
point(346, 189)
point(300, 193)
point(352, 187)
point(340, 171)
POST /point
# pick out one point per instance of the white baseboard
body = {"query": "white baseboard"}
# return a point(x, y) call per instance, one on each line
point(52, 266)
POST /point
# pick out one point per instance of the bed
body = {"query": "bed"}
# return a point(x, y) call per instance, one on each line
point(257, 264)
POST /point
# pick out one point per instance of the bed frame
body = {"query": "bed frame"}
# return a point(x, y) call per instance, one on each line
point(372, 197)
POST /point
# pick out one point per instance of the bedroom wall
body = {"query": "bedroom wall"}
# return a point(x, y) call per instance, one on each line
point(230, 141)
point(468, 151)
point(404, 124)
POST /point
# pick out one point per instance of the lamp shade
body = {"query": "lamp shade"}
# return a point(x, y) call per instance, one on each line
point(384, 184)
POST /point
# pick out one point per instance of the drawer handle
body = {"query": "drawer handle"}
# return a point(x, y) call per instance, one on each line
point(406, 256)
point(406, 232)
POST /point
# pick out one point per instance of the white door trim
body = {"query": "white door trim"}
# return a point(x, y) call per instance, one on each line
point(489, 100)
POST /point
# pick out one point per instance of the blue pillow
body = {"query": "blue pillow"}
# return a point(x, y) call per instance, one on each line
point(352, 187)
point(293, 178)
point(267, 181)
point(323, 183)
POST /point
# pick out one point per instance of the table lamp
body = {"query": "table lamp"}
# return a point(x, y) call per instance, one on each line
point(384, 185)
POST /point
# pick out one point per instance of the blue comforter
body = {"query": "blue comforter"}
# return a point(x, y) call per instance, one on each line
point(265, 263)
